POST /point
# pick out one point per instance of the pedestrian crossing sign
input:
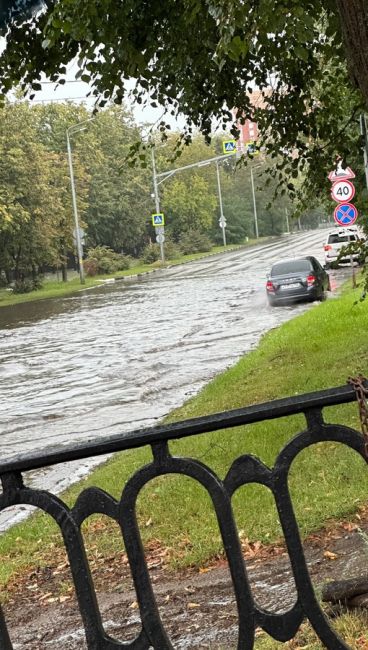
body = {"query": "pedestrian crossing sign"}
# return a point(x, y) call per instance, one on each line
point(229, 146)
point(158, 219)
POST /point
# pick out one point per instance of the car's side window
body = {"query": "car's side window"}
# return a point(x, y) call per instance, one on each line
point(316, 266)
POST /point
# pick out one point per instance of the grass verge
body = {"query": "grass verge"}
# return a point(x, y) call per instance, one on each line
point(352, 627)
point(316, 350)
point(55, 289)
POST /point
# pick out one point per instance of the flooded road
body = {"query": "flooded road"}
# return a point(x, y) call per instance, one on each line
point(108, 360)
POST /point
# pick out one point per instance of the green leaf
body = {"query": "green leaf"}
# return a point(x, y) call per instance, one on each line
point(301, 52)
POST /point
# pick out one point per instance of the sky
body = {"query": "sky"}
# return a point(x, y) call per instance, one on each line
point(78, 90)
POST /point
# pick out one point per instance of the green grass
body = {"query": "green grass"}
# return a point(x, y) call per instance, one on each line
point(55, 289)
point(316, 350)
point(51, 289)
point(352, 627)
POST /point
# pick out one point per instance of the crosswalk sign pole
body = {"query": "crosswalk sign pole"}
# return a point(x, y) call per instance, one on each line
point(222, 219)
point(157, 198)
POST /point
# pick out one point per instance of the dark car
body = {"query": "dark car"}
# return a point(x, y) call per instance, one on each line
point(299, 279)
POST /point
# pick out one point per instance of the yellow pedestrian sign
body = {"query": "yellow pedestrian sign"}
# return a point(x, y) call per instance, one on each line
point(158, 219)
point(229, 146)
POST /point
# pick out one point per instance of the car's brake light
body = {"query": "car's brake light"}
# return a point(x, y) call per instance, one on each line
point(269, 286)
point(310, 280)
point(327, 247)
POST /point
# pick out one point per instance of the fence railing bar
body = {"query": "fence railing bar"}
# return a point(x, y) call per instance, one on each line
point(176, 430)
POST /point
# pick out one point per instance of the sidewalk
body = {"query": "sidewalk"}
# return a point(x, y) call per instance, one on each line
point(197, 607)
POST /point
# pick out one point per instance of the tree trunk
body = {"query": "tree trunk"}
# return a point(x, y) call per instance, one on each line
point(354, 27)
point(17, 273)
point(64, 272)
point(64, 263)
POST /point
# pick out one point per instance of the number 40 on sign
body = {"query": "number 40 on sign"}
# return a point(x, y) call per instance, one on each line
point(342, 191)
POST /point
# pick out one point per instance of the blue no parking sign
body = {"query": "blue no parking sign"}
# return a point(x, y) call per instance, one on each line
point(345, 214)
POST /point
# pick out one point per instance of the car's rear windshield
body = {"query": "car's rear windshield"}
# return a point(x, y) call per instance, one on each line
point(340, 239)
point(294, 266)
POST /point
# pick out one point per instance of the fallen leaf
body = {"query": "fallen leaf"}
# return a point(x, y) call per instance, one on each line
point(330, 556)
point(154, 565)
point(350, 527)
point(49, 593)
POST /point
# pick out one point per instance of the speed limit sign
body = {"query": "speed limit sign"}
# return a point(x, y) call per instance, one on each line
point(342, 191)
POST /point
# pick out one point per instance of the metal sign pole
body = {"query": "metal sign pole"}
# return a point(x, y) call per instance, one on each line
point(75, 210)
point(222, 219)
point(157, 198)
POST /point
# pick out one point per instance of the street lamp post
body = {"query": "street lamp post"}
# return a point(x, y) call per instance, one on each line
point(163, 176)
point(70, 131)
point(155, 185)
point(287, 221)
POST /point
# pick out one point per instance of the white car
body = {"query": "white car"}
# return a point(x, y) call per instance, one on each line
point(335, 241)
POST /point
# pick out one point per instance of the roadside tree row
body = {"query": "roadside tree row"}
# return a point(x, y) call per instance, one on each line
point(114, 197)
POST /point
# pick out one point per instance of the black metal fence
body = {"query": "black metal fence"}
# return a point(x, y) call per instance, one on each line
point(245, 469)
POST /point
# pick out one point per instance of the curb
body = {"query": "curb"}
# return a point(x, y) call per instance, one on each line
point(169, 266)
point(134, 276)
